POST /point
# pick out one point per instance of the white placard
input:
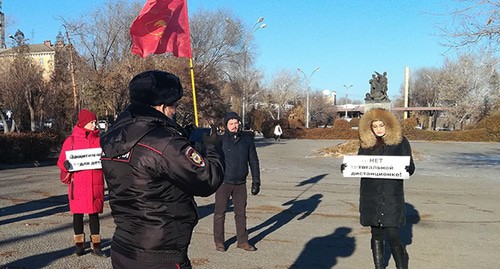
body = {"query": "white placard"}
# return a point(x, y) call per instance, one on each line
point(84, 159)
point(375, 166)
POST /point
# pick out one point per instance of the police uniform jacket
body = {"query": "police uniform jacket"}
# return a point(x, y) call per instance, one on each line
point(152, 173)
point(382, 201)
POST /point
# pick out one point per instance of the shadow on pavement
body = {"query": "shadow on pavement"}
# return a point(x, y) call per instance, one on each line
point(322, 252)
point(406, 232)
point(57, 204)
point(302, 206)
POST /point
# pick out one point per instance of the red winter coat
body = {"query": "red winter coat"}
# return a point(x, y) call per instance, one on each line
point(86, 189)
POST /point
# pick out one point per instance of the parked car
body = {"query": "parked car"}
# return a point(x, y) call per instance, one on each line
point(444, 129)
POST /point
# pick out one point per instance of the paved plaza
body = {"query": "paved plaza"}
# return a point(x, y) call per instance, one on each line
point(306, 215)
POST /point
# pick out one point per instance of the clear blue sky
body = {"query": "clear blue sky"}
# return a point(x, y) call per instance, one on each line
point(347, 39)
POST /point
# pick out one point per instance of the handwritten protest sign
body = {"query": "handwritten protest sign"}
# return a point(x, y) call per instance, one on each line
point(374, 166)
point(84, 159)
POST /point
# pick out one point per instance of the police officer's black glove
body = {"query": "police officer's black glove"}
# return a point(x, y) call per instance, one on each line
point(213, 138)
point(407, 168)
point(342, 167)
point(67, 165)
point(255, 188)
point(189, 128)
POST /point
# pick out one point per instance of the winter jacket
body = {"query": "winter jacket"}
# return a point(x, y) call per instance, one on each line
point(278, 130)
point(86, 189)
point(153, 173)
point(239, 153)
point(382, 201)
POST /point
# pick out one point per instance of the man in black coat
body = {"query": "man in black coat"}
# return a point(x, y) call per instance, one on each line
point(153, 173)
point(239, 154)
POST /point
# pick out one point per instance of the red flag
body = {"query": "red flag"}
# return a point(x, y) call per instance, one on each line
point(162, 26)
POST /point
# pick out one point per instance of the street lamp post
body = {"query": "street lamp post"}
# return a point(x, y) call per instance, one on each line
point(346, 92)
point(255, 28)
point(308, 80)
point(244, 101)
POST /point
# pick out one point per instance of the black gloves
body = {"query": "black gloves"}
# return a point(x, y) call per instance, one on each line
point(213, 138)
point(67, 165)
point(342, 167)
point(407, 168)
point(255, 188)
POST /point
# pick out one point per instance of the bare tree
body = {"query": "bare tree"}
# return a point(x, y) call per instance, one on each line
point(103, 34)
point(425, 91)
point(466, 86)
point(104, 65)
point(322, 109)
point(284, 89)
point(475, 24)
point(223, 46)
point(218, 41)
point(24, 86)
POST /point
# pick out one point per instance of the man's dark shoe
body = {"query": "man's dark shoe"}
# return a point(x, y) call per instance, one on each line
point(220, 247)
point(246, 246)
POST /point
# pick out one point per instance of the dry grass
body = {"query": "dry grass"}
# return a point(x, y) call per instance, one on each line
point(349, 147)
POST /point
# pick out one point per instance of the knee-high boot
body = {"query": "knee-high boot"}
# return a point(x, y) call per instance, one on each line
point(400, 257)
point(378, 253)
point(79, 244)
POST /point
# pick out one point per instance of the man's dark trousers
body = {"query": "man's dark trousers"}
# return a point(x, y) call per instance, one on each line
point(239, 196)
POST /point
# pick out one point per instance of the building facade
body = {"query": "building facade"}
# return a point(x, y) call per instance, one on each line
point(43, 55)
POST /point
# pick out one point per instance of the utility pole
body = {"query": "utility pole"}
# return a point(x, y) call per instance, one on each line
point(72, 72)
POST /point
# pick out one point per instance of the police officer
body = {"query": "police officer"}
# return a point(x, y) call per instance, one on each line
point(153, 174)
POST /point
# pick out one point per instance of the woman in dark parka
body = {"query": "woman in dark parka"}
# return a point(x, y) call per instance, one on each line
point(382, 202)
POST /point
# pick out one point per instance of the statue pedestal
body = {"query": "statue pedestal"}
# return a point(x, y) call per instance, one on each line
point(384, 105)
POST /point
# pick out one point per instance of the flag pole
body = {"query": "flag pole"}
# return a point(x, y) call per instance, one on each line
point(194, 91)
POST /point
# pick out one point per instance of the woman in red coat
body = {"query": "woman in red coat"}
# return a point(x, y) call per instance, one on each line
point(85, 187)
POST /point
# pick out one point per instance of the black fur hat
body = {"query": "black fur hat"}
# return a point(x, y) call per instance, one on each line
point(155, 88)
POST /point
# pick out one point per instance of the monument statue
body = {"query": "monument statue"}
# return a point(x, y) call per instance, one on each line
point(378, 89)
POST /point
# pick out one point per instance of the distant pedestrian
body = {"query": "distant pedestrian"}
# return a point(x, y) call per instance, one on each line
point(382, 202)
point(85, 187)
point(277, 132)
point(153, 173)
point(239, 154)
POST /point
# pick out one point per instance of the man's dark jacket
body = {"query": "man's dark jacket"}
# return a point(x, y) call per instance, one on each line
point(152, 173)
point(239, 153)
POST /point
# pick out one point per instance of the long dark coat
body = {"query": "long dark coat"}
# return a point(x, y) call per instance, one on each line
point(382, 201)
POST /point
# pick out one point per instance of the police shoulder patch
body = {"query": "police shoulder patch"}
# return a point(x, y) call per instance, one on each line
point(194, 157)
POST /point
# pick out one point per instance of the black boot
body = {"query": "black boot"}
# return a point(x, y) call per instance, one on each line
point(400, 257)
point(79, 244)
point(378, 253)
point(95, 245)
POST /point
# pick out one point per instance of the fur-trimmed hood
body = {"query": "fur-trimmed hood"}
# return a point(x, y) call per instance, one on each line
point(393, 134)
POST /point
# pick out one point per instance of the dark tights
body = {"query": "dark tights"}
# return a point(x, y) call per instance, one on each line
point(378, 233)
point(93, 223)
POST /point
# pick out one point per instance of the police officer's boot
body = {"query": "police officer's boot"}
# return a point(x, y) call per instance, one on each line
point(79, 244)
point(400, 257)
point(378, 253)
